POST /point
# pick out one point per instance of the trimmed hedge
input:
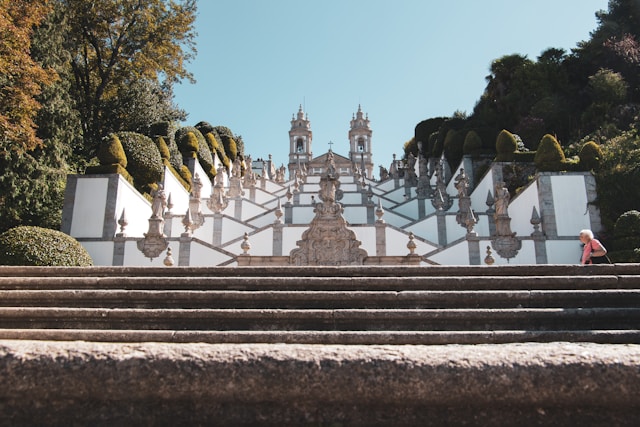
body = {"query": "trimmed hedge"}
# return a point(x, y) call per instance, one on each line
point(549, 155)
point(506, 146)
point(590, 156)
point(112, 158)
point(203, 151)
point(145, 163)
point(472, 143)
point(111, 151)
point(37, 246)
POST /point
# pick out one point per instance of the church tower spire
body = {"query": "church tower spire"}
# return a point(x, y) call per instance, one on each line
point(300, 138)
point(360, 143)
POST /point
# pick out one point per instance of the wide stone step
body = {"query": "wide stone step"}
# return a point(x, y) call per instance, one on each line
point(630, 336)
point(323, 271)
point(310, 283)
point(203, 299)
point(313, 319)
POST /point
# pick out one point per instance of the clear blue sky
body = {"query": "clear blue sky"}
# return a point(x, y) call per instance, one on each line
point(403, 60)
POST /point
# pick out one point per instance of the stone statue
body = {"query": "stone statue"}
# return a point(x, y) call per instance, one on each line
point(196, 187)
point(384, 173)
point(502, 197)
point(159, 203)
point(462, 183)
point(330, 164)
point(236, 169)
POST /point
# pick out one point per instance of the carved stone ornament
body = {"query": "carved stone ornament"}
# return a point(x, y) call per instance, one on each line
point(328, 241)
point(154, 241)
point(218, 200)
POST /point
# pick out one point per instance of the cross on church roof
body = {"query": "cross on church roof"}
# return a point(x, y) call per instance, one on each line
point(330, 145)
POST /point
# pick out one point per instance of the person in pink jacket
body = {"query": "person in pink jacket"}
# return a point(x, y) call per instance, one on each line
point(593, 252)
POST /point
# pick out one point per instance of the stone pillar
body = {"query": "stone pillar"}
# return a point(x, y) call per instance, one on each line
point(288, 213)
point(441, 216)
point(547, 208)
point(252, 193)
point(592, 196)
point(381, 239)
point(296, 198)
point(168, 224)
point(540, 246)
point(371, 217)
point(184, 253)
point(217, 229)
point(237, 212)
point(118, 250)
point(473, 242)
point(422, 209)
point(277, 239)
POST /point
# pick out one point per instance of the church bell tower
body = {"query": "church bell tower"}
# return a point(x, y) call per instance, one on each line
point(300, 137)
point(360, 143)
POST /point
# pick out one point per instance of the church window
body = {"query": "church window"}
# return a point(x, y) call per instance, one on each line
point(299, 146)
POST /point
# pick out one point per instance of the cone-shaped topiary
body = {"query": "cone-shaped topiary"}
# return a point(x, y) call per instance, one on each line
point(453, 144)
point(506, 146)
point(163, 149)
point(549, 155)
point(112, 157)
point(590, 156)
point(111, 152)
point(36, 246)
point(472, 143)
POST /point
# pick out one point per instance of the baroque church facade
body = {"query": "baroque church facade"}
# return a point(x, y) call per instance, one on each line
point(329, 209)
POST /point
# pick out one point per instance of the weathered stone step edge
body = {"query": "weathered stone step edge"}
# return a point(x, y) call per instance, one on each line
point(322, 271)
point(116, 298)
point(86, 383)
point(631, 336)
point(325, 283)
point(334, 319)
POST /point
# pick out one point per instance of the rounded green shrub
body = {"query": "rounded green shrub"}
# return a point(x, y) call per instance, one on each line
point(626, 232)
point(626, 238)
point(472, 143)
point(230, 147)
point(590, 156)
point(111, 152)
point(36, 246)
point(506, 146)
point(549, 155)
point(145, 164)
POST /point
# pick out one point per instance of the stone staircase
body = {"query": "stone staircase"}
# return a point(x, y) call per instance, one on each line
point(320, 346)
point(323, 305)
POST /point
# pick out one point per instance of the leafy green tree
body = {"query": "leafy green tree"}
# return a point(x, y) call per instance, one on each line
point(113, 44)
point(618, 178)
point(21, 77)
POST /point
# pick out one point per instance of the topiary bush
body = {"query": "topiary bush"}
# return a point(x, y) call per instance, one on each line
point(203, 151)
point(145, 163)
point(453, 144)
point(626, 238)
point(112, 158)
point(36, 246)
point(549, 155)
point(590, 156)
point(218, 149)
point(472, 143)
point(506, 146)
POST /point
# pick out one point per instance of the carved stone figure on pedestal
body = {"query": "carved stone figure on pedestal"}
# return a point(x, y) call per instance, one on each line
point(464, 202)
point(441, 199)
point(154, 241)
point(505, 242)
point(159, 203)
point(328, 241)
